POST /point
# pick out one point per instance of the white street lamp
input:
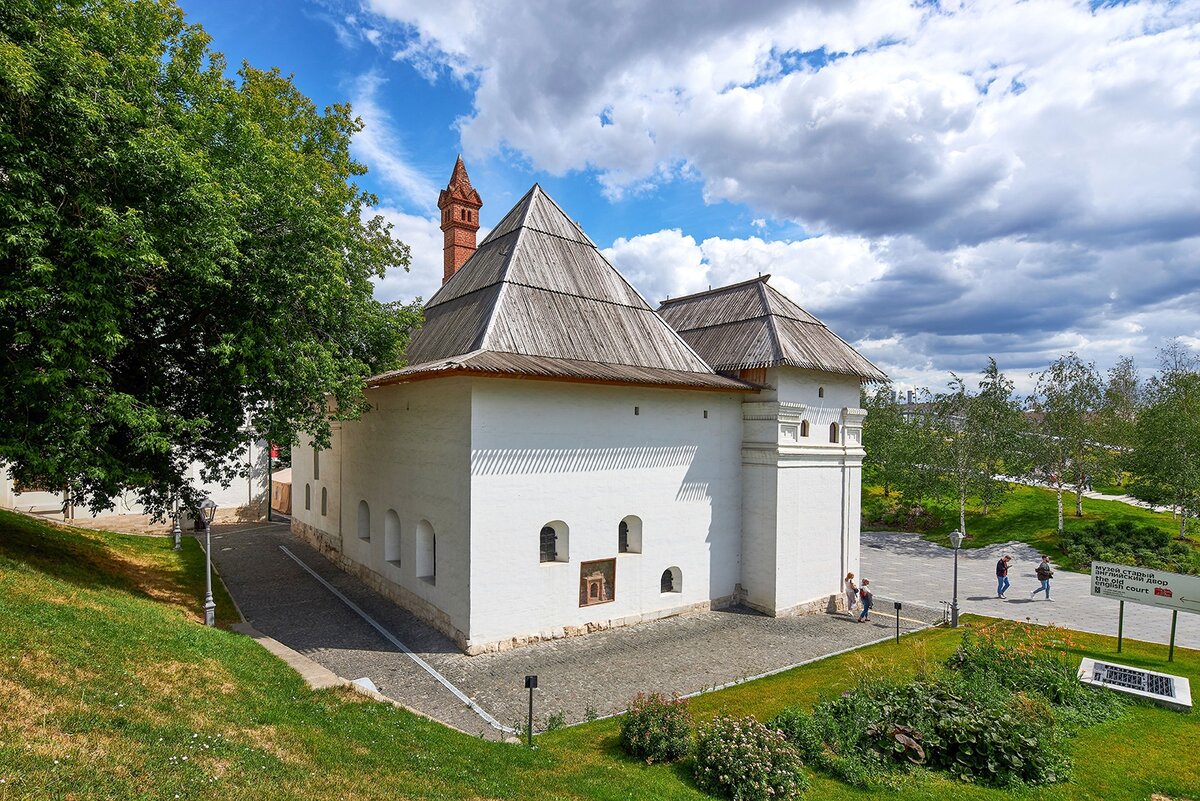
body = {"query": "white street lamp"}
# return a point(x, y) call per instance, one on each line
point(956, 539)
point(208, 510)
point(175, 530)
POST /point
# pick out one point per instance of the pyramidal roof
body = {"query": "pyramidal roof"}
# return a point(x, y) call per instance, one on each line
point(751, 324)
point(538, 299)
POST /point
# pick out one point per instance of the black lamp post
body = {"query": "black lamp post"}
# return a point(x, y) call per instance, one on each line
point(956, 539)
point(208, 510)
point(531, 685)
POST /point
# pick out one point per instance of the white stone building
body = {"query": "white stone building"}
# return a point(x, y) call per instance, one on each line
point(560, 457)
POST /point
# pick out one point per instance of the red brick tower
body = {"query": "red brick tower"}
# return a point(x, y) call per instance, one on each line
point(460, 206)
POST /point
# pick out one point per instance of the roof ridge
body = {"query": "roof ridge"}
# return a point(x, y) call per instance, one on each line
point(486, 331)
point(771, 328)
point(738, 285)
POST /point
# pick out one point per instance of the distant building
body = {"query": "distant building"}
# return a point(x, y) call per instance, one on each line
point(245, 498)
point(559, 457)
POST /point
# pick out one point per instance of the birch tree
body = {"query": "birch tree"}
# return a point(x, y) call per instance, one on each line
point(1066, 397)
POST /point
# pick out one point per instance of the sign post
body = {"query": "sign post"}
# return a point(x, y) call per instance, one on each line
point(1120, 626)
point(1143, 585)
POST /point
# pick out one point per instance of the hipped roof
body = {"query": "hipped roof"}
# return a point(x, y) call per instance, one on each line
point(537, 299)
point(752, 325)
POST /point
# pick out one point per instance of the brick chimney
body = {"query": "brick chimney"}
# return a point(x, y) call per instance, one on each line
point(460, 206)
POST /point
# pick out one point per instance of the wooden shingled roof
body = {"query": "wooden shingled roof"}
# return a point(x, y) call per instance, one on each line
point(752, 325)
point(537, 299)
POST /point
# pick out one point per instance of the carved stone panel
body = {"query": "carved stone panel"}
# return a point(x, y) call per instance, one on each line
point(597, 581)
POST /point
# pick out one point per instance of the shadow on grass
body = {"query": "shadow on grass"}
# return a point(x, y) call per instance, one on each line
point(141, 566)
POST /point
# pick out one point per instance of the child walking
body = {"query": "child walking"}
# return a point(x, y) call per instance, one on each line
point(867, 597)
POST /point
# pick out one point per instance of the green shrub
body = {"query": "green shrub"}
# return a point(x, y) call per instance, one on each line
point(742, 759)
point(973, 728)
point(1028, 659)
point(829, 739)
point(656, 729)
point(1127, 543)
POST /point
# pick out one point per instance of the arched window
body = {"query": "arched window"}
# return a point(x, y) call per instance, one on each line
point(548, 548)
point(833, 432)
point(553, 541)
point(324, 501)
point(820, 392)
point(464, 214)
point(426, 552)
point(671, 581)
point(308, 497)
point(629, 535)
point(804, 428)
point(391, 537)
point(364, 521)
point(316, 464)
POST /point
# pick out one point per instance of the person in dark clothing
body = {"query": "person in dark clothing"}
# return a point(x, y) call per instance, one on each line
point(1002, 576)
point(1044, 573)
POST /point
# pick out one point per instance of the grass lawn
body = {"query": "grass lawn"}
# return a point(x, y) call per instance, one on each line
point(111, 689)
point(1029, 515)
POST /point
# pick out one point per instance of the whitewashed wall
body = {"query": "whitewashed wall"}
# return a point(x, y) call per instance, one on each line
point(411, 455)
point(801, 494)
point(243, 499)
point(544, 452)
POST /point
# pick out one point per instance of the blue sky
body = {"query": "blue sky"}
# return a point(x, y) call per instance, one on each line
point(939, 182)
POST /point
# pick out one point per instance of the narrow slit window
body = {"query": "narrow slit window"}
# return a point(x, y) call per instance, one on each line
point(833, 432)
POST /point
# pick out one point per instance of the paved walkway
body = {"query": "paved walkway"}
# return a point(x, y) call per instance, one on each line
point(578, 676)
point(920, 571)
point(597, 674)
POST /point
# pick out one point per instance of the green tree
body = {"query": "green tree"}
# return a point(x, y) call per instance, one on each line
point(1166, 456)
point(978, 440)
point(1117, 421)
point(1065, 402)
point(998, 426)
point(187, 260)
point(883, 438)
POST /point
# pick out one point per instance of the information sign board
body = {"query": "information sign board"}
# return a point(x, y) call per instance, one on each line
point(1143, 585)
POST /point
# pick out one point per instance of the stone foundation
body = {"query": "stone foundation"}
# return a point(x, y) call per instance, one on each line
point(507, 644)
point(823, 605)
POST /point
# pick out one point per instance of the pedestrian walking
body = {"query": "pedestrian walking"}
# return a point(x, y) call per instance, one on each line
point(1044, 573)
point(851, 593)
point(867, 598)
point(1002, 576)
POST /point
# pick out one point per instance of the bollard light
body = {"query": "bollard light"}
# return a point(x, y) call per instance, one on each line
point(531, 685)
point(208, 510)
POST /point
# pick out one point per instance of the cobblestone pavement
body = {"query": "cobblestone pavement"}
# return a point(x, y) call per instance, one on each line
point(578, 676)
point(906, 566)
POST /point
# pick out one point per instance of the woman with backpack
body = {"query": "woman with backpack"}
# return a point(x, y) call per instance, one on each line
point(1044, 574)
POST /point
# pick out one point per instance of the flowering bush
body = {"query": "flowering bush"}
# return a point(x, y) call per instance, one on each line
point(1028, 659)
point(742, 759)
point(656, 729)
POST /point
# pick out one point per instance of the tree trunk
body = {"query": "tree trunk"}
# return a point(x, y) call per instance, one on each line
point(962, 513)
point(1079, 500)
point(1059, 487)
